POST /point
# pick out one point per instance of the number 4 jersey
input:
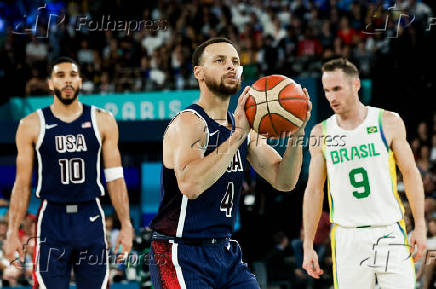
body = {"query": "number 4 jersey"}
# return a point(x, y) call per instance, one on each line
point(213, 213)
point(361, 174)
point(68, 157)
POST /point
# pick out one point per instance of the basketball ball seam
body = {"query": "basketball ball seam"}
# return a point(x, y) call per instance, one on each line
point(283, 118)
point(266, 78)
point(281, 99)
point(267, 106)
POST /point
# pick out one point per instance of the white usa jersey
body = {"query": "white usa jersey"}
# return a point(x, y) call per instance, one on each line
point(361, 174)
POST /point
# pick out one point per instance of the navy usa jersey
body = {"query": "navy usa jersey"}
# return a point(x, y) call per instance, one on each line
point(69, 157)
point(213, 213)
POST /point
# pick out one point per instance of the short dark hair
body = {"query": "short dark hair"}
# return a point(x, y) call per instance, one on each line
point(61, 59)
point(198, 52)
point(342, 64)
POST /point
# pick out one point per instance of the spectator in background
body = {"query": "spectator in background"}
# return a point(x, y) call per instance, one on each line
point(268, 56)
point(105, 85)
point(429, 183)
point(429, 208)
point(345, 32)
point(315, 22)
point(151, 42)
point(433, 149)
point(36, 51)
point(278, 32)
point(422, 131)
point(278, 268)
point(284, 15)
point(309, 45)
point(423, 161)
point(357, 20)
point(85, 55)
point(363, 58)
point(326, 37)
point(415, 145)
point(37, 84)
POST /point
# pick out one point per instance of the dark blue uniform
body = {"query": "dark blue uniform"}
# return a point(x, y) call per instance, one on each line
point(191, 245)
point(70, 228)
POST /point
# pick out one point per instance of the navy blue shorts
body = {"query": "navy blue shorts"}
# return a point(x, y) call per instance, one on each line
point(210, 266)
point(70, 238)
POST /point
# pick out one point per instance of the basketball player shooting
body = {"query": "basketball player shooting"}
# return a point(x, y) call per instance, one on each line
point(205, 149)
point(368, 237)
point(67, 138)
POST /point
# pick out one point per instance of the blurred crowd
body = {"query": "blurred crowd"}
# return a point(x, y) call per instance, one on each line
point(424, 149)
point(288, 37)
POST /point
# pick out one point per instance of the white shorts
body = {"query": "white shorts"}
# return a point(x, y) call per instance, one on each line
point(360, 255)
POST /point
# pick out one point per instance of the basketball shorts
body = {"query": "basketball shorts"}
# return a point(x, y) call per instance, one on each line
point(363, 255)
point(70, 238)
point(207, 266)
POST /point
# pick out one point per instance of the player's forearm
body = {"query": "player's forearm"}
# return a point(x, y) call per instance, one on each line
point(312, 209)
point(18, 205)
point(120, 200)
point(201, 174)
point(289, 168)
point(415, 194)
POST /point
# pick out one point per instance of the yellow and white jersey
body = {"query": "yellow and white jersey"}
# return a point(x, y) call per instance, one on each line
point(361, 174)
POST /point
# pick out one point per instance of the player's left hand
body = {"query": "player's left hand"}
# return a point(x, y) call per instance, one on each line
point(418, 240)
point(124, 241)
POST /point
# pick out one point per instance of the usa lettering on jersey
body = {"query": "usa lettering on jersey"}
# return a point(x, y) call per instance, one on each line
point(70, 143)
point(236, 164)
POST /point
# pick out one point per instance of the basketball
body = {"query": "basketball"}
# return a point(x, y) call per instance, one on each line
point(276, 106)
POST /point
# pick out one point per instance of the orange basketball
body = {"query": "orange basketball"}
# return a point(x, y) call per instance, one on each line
point(276, 105)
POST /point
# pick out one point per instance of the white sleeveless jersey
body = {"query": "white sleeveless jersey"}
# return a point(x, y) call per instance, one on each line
point(361, 174)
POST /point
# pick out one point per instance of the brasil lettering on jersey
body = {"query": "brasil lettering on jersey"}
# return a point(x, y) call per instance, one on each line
point(355, 152)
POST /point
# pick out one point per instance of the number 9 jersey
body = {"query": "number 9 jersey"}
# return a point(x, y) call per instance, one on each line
point(361, 173)
point(213, 213)
point(68, 156)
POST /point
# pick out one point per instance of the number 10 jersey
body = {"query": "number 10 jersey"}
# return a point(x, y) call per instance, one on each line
point(68, 156)
point(361, 173)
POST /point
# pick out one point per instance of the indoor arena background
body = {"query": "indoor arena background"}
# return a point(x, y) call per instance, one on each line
point(135, 60)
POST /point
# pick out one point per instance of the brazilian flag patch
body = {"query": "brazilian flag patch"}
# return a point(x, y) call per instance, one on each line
point(371, 129)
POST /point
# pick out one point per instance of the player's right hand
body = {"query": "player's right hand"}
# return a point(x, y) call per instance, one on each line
point(11, 246)
point(241, 121)
point(124, 242)
point(310, 264)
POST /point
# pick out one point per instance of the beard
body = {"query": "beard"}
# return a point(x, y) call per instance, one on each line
point(220, 89)
point(66, 101)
